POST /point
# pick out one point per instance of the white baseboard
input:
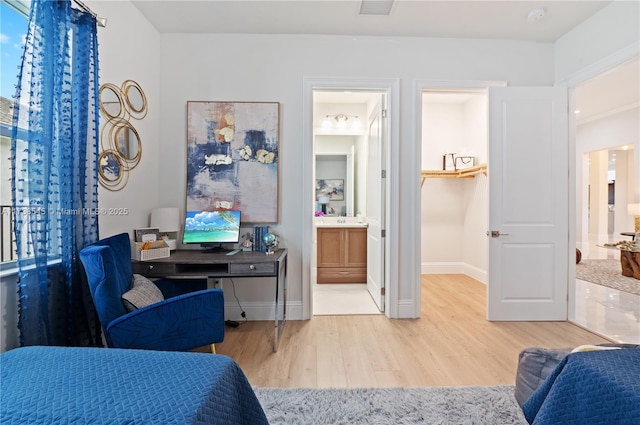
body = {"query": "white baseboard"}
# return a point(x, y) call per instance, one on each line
point(442, 268)
point(261, 310)
point(406, 310)
point(455, 268)
point(476, 273)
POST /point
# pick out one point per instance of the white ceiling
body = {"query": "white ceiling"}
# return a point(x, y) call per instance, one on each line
point(613, 91)
point(505, 19)
point(415, 18)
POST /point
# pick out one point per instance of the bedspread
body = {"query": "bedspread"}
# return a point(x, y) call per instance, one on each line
point(55, 385)
point(593, 387)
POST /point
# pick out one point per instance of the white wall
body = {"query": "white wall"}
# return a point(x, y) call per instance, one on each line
point(129, 49)
point(613, 28)
point(475, 242)
point(442, 199)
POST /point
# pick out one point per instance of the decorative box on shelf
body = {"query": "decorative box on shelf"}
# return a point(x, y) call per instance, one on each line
point(143, 251)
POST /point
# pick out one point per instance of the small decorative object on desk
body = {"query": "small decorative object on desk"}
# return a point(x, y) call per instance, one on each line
point(150, 250)
point(271, 242)
point(247, 244)
point(258, 233)
point(147, 234)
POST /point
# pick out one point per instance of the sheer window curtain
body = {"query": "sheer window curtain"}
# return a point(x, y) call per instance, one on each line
point(54, 173)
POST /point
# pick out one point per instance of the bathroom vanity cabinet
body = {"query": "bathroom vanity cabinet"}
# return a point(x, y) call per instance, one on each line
point(342, 255)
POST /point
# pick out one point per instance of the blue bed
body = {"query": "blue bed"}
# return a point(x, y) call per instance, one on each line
point(594, 387)
point(59, 385)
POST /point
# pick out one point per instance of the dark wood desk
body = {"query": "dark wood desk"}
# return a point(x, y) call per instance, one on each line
point(190, 264)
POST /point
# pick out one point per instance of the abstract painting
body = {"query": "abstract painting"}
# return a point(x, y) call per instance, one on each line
point(333, 188)
point(232, 158)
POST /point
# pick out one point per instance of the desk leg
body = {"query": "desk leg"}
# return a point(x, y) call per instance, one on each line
point(279, 324)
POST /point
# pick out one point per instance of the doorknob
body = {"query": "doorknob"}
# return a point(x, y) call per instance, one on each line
point(496, 234)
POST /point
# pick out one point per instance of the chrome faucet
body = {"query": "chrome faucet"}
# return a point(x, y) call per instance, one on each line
point(341, 220)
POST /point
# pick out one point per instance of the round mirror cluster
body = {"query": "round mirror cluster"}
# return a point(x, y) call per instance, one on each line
point(121, 147)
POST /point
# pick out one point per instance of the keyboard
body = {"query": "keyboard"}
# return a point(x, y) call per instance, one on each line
point(234, 252)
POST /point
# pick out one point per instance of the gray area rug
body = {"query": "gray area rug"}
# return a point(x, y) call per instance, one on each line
point(607, 273)
point(394, 406)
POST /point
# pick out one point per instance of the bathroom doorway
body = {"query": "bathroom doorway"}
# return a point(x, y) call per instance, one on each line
point(348, 198)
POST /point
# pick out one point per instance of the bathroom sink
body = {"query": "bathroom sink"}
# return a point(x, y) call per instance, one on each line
point(338, 222)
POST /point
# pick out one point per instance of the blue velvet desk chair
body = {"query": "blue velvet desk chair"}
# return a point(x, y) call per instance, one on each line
point(176, 323)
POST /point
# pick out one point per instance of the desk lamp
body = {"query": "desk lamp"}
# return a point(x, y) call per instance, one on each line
point(167, 220)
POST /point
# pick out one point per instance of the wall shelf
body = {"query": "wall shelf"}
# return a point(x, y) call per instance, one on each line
point(457, 174)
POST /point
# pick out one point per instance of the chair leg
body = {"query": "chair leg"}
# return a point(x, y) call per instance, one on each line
point(213, 349)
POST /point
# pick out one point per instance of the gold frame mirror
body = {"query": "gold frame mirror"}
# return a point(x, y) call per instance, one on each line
point(120, 142)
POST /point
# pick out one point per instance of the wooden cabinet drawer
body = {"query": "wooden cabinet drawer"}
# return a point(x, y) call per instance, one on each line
point(252, 268)
point(342, 275)
point(152, 269)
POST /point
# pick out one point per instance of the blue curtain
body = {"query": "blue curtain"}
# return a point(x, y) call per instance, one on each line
point(54, 172)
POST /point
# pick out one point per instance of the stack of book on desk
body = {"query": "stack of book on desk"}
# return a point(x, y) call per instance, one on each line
point(258, 233)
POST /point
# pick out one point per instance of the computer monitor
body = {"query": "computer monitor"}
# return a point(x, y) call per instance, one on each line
point(211, 229)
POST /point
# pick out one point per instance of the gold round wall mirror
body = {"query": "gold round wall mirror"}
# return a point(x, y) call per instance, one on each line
point(125, 140)
point(128, 144)
point(135, 99)
point(120, 141)
point(109, 167)
point(110, 101)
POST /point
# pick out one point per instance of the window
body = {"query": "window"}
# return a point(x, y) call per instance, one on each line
point(13, 21)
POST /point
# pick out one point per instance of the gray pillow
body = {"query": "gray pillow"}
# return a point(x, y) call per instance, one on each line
point(143, 292)
point(534, 365)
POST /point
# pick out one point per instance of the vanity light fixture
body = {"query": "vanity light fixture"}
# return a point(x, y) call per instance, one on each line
point(342, 118)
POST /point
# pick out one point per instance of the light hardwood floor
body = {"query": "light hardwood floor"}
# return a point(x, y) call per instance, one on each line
point(451, 344)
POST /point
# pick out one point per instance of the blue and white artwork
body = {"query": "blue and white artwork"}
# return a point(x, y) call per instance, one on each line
point(232, 158)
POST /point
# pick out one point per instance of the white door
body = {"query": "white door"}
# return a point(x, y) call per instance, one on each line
point(375, 205)
point(528, 207)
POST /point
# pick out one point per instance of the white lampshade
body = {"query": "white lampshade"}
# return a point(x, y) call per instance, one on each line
point(323, 199)
point(166, 219)
point(634, 209)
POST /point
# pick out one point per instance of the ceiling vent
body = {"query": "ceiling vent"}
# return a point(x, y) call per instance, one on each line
point(375, 7)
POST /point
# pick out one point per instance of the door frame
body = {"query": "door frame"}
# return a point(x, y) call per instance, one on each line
point(419, 87)
point(392, 87)
point(571, 81)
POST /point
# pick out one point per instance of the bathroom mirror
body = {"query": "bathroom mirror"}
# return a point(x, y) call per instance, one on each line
point(336, 158)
